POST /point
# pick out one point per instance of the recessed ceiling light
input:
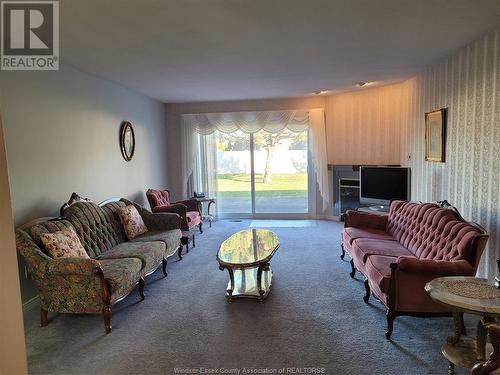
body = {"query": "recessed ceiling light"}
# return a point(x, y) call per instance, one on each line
point(363, 84)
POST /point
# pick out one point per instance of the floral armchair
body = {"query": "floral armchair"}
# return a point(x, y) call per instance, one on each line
point(189, 210)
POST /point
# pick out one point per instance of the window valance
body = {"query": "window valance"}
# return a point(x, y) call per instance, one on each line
point(248, 122)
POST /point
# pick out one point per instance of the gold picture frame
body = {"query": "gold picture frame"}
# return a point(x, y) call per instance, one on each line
point(435, 135)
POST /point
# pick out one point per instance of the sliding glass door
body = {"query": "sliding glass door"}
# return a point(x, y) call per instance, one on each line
point(233, 173)
point(280, 172)
point(261, 174)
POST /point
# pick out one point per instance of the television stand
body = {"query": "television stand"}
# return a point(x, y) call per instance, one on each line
point(377, 209)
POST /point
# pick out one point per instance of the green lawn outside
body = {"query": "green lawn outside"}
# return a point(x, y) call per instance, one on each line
point(293, 185)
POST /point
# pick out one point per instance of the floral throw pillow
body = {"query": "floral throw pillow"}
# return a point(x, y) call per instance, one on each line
point(132, 221)
point(63, 244)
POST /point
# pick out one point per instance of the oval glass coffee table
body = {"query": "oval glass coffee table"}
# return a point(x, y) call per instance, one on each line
point(246, 256)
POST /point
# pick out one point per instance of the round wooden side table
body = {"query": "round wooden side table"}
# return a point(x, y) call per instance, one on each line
point(475, 296)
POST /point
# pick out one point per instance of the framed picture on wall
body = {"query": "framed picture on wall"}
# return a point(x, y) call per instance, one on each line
point(435, 135)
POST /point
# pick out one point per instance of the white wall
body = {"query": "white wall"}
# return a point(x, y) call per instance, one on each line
point(62, 135)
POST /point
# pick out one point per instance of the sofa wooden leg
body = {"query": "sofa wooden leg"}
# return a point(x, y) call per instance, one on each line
point(194, 241)
point(201, 227)
point(343, 251)
point(390, 323)
point(353, 272)
point(106, 314)
point(164, 267)
point(43, 317)
point(141, 287)
point(179, 252)
point(367, 291)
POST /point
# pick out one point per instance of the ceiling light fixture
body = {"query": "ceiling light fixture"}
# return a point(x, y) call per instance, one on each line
point(319, 92)
point(363, 84)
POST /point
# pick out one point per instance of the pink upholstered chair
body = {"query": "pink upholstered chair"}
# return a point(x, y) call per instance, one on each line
point(189, 210)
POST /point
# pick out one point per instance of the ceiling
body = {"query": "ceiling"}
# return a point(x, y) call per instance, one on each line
point(208, 50)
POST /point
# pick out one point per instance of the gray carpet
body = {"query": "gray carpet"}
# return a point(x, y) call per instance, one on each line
point(314, 317)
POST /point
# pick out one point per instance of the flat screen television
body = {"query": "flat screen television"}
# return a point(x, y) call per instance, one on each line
point(379, 185)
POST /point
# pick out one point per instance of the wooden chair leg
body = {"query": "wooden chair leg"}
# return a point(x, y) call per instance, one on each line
point(194, 241)
point(164, 266)
point(179, 252)
point(141, 287)
point(43, 317)
point(106, 313)
point(201, 227)
point(343, 251)
point(390, 323)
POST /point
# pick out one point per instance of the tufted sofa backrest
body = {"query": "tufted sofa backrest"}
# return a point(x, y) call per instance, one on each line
point(49, 226)
point(432, 232)
point(97, 228)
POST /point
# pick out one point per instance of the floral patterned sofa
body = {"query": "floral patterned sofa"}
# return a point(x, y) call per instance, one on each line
point(398, 254)
point(115, 267)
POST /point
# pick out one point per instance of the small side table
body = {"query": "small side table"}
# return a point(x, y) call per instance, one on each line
point(469, 295)
point(208, 216)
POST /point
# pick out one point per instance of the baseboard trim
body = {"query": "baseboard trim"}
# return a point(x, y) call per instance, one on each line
point(328, 217)
point(31, 304)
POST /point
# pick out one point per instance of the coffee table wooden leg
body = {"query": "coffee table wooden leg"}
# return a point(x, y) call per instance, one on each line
point(259, 282)
point(262, 267)
point(229, 291)
point(231, 277)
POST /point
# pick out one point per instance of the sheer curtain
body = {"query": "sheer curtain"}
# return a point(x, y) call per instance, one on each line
point(251, 122)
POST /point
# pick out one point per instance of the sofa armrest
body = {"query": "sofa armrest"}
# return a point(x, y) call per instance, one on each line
point(191, 204)
point(176, 208)
point(163, 221)
point(409, 277)
point(434, 267)
point(160, 220)
point(359, 219)
point(73, 266)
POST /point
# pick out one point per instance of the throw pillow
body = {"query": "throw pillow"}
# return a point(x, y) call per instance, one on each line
point(64, 244)
point(132, 221)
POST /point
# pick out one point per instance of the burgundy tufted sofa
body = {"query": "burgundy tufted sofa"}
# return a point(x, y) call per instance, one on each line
point(398, 254)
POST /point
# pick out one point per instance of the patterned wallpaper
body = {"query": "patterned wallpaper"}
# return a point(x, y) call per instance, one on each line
point(363, 126)
point(468, 84)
